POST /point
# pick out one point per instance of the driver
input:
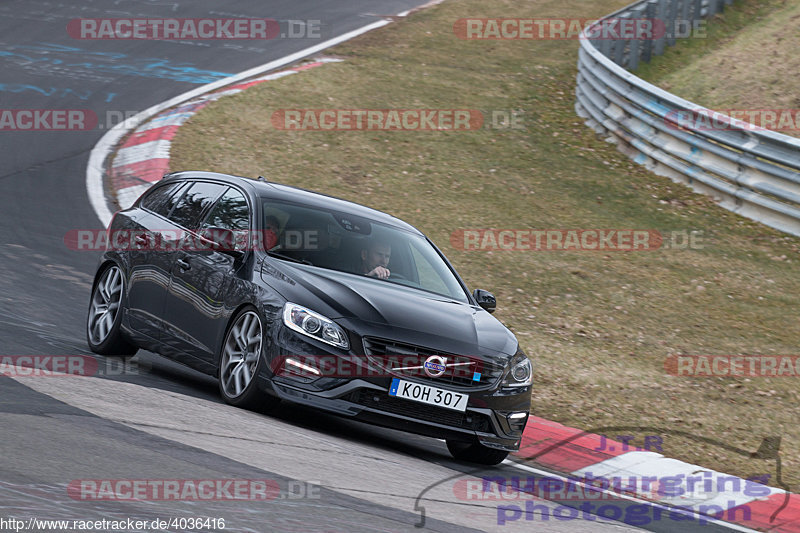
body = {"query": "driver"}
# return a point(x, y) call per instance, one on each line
point(271, 231)
point(375, 260)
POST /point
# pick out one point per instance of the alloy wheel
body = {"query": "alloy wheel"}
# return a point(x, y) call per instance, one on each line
point(240, 354)
point(105, 305)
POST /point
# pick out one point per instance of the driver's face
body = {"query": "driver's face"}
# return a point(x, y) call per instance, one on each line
point(376, 256)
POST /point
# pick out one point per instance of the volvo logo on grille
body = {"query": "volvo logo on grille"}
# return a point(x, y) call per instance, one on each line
point(434, 366)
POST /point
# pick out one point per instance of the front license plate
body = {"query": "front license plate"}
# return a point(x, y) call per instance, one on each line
point(430, 395)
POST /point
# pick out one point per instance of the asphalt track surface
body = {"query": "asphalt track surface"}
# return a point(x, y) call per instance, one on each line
point(155, 419)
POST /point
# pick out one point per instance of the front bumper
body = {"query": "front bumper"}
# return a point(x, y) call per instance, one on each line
point(494, 417)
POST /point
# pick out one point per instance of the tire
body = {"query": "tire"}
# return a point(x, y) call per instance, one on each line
point(240, 361)
point(475, 452)
point(105, 317)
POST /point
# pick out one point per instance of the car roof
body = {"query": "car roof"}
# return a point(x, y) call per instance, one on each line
point(289, 193)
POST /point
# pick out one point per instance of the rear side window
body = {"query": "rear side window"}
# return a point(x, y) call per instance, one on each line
point(158, 197)
point(194, 202)
point(170, 202)
point(230, 212)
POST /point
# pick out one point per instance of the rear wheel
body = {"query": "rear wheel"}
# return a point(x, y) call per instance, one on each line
point(241, 360)
point(474, 452)
point(103, 323)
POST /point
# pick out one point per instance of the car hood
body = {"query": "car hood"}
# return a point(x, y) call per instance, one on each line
point(384, 309)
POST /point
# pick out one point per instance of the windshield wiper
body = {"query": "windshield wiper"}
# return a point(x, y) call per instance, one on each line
point(289, 258)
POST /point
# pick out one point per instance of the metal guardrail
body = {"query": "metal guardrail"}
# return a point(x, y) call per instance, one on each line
point(747, 170)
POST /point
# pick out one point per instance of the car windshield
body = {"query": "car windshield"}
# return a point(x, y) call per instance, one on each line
point(349, 243)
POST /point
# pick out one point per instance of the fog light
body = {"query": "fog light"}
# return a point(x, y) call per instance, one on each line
point(294, 365)
point(516, 421)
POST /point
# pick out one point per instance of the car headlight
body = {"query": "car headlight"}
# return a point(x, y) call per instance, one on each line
point(520, 371)
point(314, 325)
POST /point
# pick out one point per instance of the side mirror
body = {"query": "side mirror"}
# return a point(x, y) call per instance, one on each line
point(485, 299)
point(221, 239)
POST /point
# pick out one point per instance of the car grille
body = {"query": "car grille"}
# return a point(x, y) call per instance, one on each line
point(396, 357)
point(381, 401)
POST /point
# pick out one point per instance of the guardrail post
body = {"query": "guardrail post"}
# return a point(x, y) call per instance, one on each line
point(685, 6)
point(618, 52)
point(671, 21)
point(619, 44)
point(661, 41)
point(605, 47)
point(638, 13)
point(697, 11)
point(712, 8)
point(647, 44)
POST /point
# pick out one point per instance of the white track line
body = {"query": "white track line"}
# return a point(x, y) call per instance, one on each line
point(97, 158)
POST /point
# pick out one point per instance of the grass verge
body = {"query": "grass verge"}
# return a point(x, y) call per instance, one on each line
point(748, 61)
point(598, 325)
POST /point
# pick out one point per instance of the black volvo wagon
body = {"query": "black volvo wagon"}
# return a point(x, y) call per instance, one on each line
point(285, 294)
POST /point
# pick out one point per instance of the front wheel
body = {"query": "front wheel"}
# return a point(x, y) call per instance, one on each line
point(103, 323)
point(474, 452)
point(240, 362)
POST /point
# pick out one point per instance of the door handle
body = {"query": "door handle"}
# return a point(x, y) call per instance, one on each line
point(184, 264)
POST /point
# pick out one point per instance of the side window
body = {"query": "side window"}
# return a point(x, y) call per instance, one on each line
point(158, 197)
point(230, 212)
point(194, 202)
point(164, 208)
